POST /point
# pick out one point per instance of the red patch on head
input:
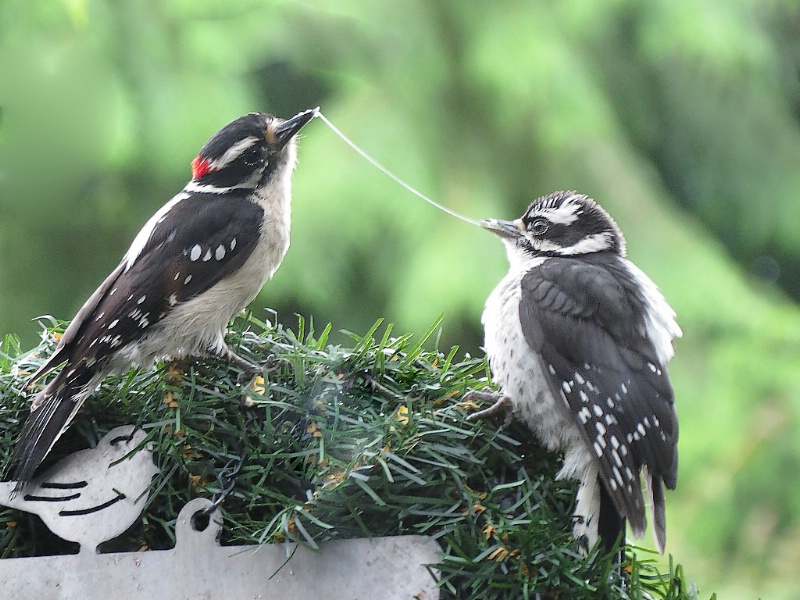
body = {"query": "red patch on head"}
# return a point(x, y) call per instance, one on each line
point(200, 167)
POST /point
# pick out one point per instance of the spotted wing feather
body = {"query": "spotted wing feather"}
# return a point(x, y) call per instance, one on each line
point(175, 265)
point(61, 351)
point(578, 316)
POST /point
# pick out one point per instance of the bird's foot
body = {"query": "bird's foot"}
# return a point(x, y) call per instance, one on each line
point(248, 371)
point(274, 363)
point(502, 406)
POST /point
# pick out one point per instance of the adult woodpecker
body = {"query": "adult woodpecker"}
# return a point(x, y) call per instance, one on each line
point(199, 260)
point(578, 339)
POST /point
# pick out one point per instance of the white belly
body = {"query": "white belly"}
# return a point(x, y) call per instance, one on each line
point(519, 372)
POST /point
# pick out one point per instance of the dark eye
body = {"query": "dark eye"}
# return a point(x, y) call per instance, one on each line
point(539, 226)
point(252, 156)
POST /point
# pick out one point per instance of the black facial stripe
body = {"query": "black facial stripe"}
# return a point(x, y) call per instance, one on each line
point(235, 173)
point(252, 125)
point(565, 235)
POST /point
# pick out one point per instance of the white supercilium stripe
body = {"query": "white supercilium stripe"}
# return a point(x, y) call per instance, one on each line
point(232, 153)
point(565, 214)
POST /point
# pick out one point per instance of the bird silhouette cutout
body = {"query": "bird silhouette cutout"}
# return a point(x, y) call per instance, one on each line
point(90, 496)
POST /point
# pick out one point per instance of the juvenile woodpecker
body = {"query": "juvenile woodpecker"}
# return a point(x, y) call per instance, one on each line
point(198, 261)
point(578, 339)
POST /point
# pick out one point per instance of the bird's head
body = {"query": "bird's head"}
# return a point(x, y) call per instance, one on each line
point(559, 224)
point(247, 152)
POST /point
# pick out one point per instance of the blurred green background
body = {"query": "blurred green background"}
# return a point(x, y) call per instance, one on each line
point(681, 117)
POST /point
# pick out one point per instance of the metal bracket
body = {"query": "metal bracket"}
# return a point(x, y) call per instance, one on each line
point(390, 568)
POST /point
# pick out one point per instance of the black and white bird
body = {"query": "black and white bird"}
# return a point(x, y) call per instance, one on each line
point(198, 261)
point(578, 339)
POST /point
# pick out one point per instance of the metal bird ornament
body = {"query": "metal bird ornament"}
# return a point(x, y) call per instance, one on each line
point(90, 496)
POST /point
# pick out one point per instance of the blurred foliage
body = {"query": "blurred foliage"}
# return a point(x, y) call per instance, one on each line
point(359, 440)
point(679, 116)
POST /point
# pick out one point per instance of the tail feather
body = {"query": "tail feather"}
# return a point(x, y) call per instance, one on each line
point(610, 525)
point(597, 518)
point(659, 514)
point(54, 409)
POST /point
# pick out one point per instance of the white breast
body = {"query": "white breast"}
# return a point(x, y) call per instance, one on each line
point(519, 372)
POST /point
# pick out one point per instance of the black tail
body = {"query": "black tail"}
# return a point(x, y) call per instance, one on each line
point(55, 407)
point(610, 525)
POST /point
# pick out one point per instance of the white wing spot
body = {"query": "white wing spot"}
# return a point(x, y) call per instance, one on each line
point(113, 324)
point(220, 253)
point(601, 429)
point(617, 474)
point(584, 414)
point(583, 396)
point(187, 280)
point(195, 253)
point(173, 299)
point(233, 244)
point(579, 379)
point(640, 429)
point(624, 388)
point(178, 274)
point(552, 369)
point(100, 316)
point(598, 450)
point(142, 299)
point(207, 255)
point(598, 410)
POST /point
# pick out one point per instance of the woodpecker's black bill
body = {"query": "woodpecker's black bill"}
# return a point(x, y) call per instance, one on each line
point(506, 229)
point(289, 128)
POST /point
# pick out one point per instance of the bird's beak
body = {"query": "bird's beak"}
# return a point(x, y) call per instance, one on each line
point(505, 229)
point(289, 128)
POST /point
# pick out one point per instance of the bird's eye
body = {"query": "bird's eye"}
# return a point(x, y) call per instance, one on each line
point(252, 156)
point(539, 226)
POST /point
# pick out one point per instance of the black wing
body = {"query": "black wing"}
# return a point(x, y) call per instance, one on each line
point(200, 241)
point(585, 318)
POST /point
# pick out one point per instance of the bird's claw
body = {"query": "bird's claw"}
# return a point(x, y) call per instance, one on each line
point(502, 406)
